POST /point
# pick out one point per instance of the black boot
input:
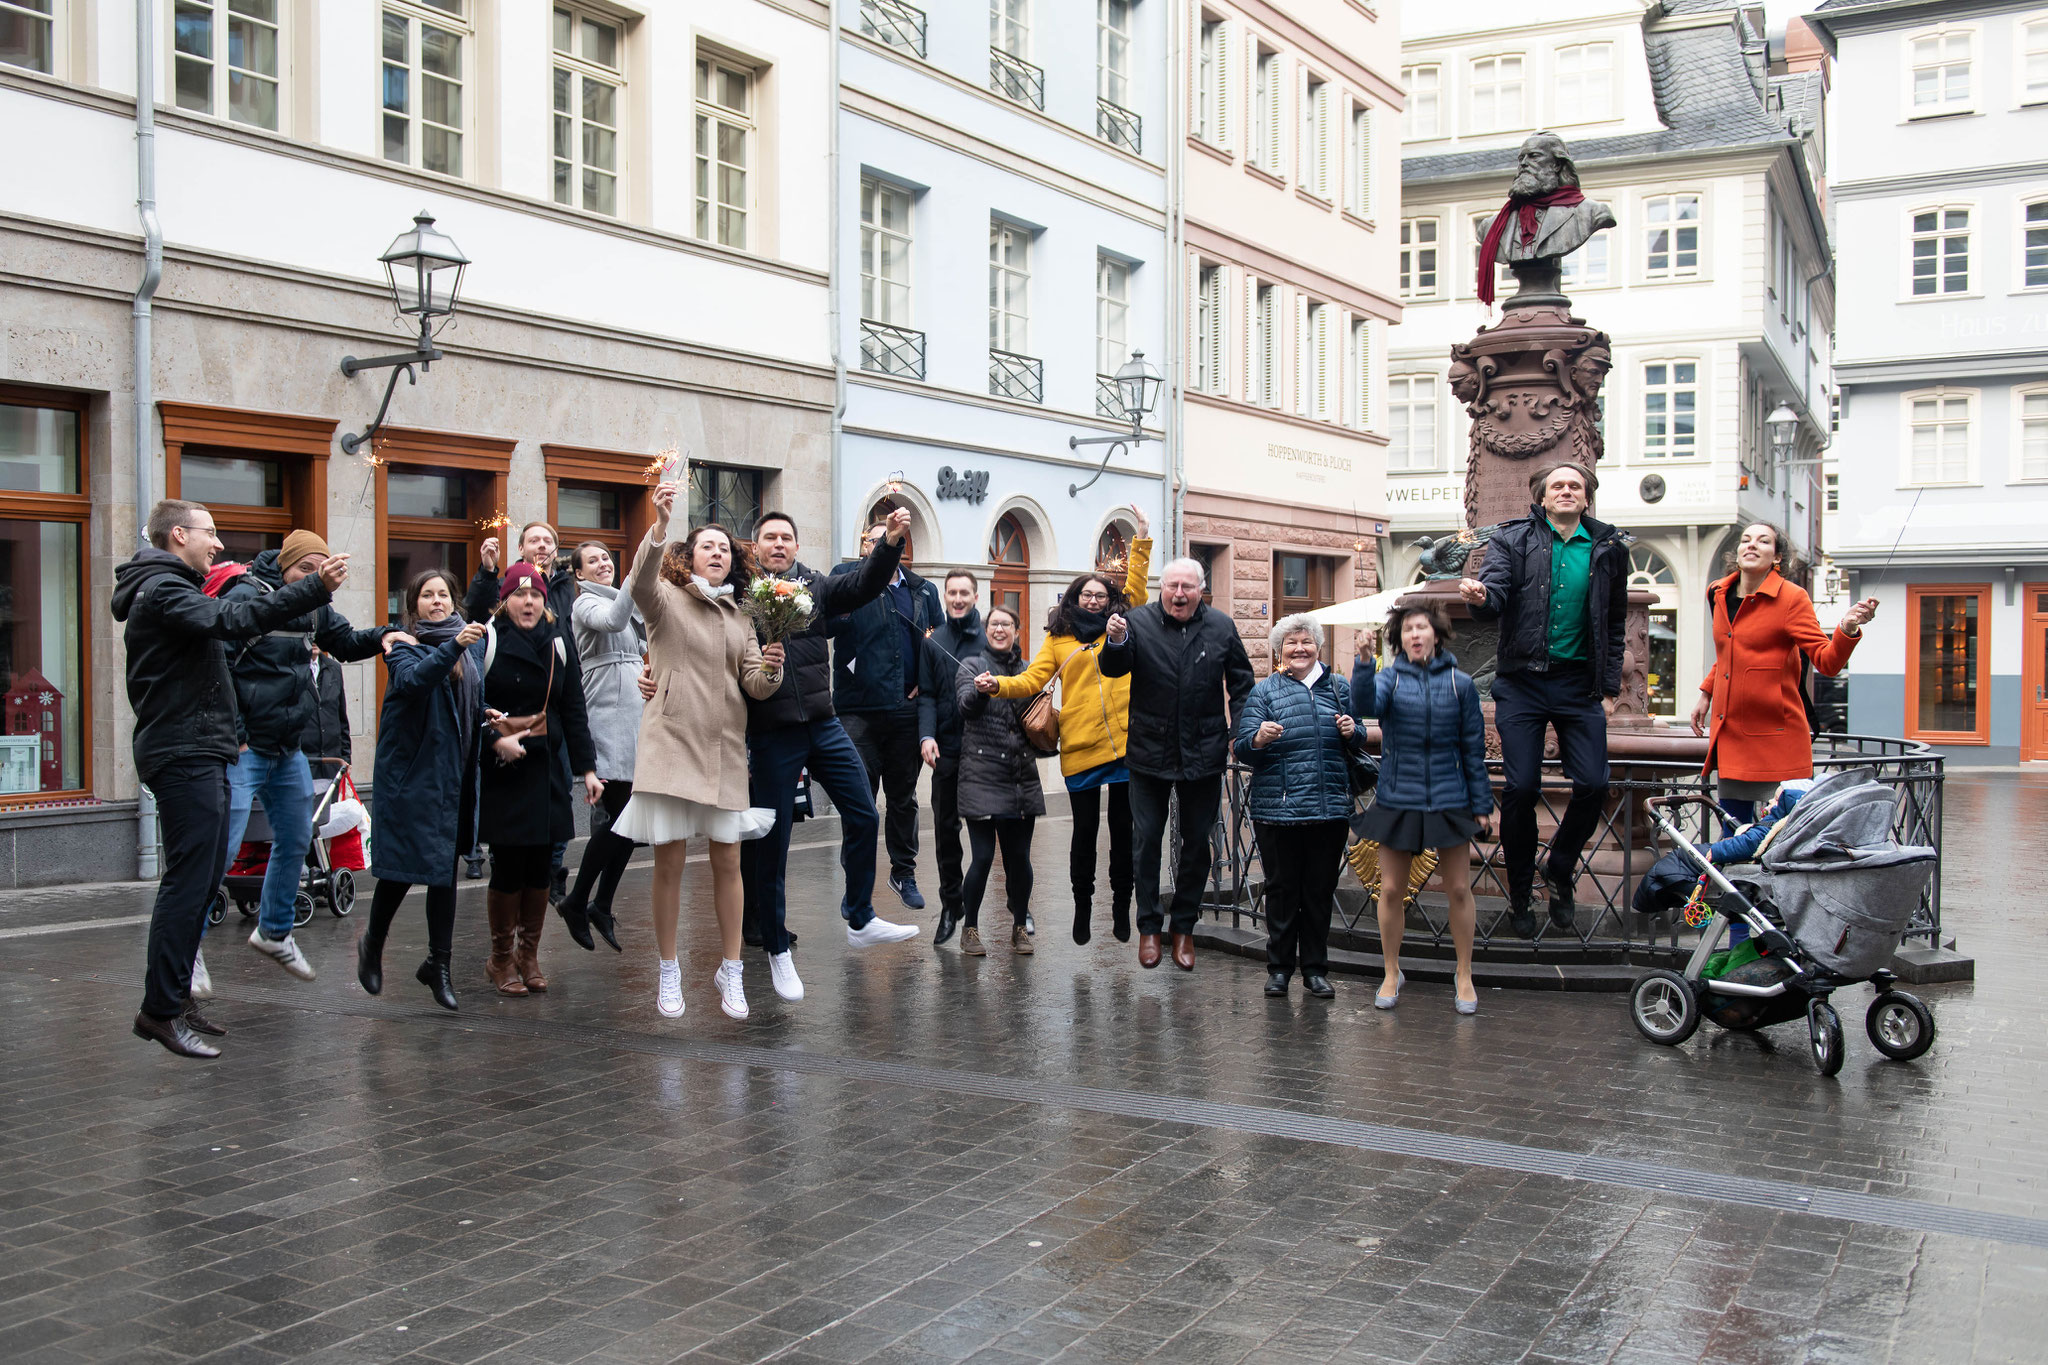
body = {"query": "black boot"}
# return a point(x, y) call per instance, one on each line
point(1120, 916)
point(1084, 910)
point(433, 974)
point(576, 917)
point(370, 947)
point(600, 912)
point(558, 885)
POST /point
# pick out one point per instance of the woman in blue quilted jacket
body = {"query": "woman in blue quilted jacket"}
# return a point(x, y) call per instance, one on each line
point(1294, 734)
point(1433, 790)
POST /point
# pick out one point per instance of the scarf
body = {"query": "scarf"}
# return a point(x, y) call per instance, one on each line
point(1525, 211)
point(711, 593)
point(1088, 625)
point(434, 634)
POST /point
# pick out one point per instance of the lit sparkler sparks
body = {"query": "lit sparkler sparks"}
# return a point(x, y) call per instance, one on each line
point(666, 466)
point(958, 662)
point(497, 521)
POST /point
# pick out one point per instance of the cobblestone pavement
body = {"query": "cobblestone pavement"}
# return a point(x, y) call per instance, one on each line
point(935, 1158)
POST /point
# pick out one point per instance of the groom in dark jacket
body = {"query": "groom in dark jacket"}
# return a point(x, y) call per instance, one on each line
point(187, 729)
point(958, 637)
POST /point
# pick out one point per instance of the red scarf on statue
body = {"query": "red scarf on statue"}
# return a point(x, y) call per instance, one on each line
point(1525, 209)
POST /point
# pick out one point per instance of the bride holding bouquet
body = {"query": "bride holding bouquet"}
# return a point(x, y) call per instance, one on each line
point(692, 759)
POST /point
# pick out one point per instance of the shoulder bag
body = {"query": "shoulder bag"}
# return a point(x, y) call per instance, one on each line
point(1041, 716)
point(535, 725)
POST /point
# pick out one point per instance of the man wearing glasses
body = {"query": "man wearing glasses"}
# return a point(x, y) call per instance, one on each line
point(185, 736)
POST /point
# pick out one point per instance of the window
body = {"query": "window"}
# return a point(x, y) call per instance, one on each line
point(884, 252)
point(1316, 170)
point(895, 22)
point(1009, 27)
point(2033, 63)
point(589, 98)
point(2033, 445)
point(1411, 424)
point(1009, 554)
point(1938, 426)
point(29, 35)
point(1423, 116)
point(1010, 74)
point(424, 72)
point(1113, 51)
point(1265, 148)
point(1358, 163)
point(1302, 583)
point(1832, 484)
point(224, 57)
point(2034, 257)
point(1418, 258)
point(1209, 557)
point(725, 126)
point(1112, 329)
point(1941, 251)
point(1262, 381)
point(1671, 236)
point(1360, 398)
point(45, 509)
point(1588, 267)
point(1585, 82)
point(427, 522)
point(1112, 549)
point(1212, 85)
point(726, 495)
point(1649, 572)
point(1009, 288)
point(1496, 85)
point(1671, 400)
point(1208, 348)
point(1948, 668)
point(1941, 72)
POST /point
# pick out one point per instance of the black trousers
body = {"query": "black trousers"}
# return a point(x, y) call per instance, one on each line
point(1199, 797)
point(946, 830)
point(440, 914)
point(1523, 705)
point(606, 854)
point(192, 823)
point(1301, 863)
point(519, 867)
point(1087, 803)
point(888, 744)
point(1015, 837)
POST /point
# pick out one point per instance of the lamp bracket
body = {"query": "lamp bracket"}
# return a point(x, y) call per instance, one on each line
point(401, 365)
point(1115, 443)
point(423, 358)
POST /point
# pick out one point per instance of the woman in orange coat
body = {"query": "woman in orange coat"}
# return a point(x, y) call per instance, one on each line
point(1763, 626)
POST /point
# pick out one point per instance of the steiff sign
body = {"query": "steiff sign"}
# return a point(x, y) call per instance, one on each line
point(969, 485)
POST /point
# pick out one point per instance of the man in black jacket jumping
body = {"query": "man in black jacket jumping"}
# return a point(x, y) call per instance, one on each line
point(958, 637)
point(185, 736)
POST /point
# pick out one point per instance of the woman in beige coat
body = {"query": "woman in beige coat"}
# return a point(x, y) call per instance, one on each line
point(690, 770)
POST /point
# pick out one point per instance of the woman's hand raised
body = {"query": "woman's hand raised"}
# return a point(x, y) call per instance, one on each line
point(470, 634)
point(664, 505)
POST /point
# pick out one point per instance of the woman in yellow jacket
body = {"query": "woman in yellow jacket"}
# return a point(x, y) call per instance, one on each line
point(1094, 716)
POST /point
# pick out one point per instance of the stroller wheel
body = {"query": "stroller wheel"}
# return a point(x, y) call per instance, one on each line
point(1899, 1026)
point(1824, 1034)
point(302, 909)
point(218, 909)
point(1663, 1008)
point(341, 892)
point(247, 909)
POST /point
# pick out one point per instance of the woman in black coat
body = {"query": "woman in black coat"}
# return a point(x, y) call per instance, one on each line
point(1000, 794)
point(424, 802)
point(533, 700)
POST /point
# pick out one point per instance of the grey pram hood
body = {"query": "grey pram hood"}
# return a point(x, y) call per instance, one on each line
point(1846, 887)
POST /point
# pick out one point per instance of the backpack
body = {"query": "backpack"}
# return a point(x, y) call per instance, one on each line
point(221, 575)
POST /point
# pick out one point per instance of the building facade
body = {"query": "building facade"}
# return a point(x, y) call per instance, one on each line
point(1002, 234)
point(1290, 201)
point(1941, 189)
point(636, 186)
point(1714, 285)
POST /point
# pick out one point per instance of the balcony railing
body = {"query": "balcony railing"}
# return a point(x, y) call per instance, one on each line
point(1109, 401)
point(891, 350)
point(1021, 377)
point(1118, 126)
point(1015, 78)
point(894, 23)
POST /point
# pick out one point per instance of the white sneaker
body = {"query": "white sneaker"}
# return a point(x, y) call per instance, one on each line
point(879, 930)
point(284, 952)
point(782, 970)
point(202, 984)
point(670, 999)
point(732, 995)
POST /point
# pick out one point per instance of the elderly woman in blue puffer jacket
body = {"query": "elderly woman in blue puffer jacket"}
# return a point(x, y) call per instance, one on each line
point(1294, 732)
point(1433, 790)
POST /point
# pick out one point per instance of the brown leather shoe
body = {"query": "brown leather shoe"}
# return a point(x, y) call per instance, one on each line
point(970, 942)
point(1020, 942)
point(174, 1035)
point(533, 918)
point(1148, 950)
point(1184, 952)
point(502, 971)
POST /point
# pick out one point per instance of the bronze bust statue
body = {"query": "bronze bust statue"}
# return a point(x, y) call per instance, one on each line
point(1545, 219)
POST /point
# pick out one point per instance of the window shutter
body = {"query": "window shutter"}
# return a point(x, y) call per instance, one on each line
point(1361, 171)
point(1253, 357)
point(1363, 377)
point(1274, 141)
point(1323, 338)
point(1302, 369)
point(1191, 349)
point(1194, 71)
point(1325, 102)
point(1220, 106)
point(1219, 297)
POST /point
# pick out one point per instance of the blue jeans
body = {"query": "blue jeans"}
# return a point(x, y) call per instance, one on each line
point(286, 784)
point(774, 758)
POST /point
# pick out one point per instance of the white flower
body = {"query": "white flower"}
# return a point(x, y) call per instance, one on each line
point(803, 602)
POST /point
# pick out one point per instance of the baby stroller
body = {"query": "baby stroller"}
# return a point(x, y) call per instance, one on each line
point(1826, 907)
point(329, 874)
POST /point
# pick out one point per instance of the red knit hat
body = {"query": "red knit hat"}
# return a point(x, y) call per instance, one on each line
point(522, 572)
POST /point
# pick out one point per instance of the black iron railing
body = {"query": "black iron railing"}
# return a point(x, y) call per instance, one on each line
point(891, 350)
point(894, 23)
point(1620, 852)
point(1118, 126)
point(1021, 377)
point(1015, 78)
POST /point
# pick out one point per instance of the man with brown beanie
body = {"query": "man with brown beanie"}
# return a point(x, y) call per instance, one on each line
point(276, 700)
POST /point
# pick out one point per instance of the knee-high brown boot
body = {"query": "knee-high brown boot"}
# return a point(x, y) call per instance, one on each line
point(502, 969)
point(533, 917)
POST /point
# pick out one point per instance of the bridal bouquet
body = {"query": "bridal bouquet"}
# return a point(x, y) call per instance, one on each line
point(779, 607)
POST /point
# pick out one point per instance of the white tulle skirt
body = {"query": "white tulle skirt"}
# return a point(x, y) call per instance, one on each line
point(654, 818)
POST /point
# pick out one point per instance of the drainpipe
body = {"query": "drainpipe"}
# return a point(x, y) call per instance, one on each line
point(152, 274)
point(832, 274)
point(1177, 284)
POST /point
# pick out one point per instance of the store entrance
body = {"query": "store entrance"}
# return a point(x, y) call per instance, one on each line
point(2034, 692)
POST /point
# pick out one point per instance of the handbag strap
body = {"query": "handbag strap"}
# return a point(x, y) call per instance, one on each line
point(1079, 648)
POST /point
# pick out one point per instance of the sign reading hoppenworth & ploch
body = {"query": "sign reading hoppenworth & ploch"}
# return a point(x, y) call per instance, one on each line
point(1308, 464)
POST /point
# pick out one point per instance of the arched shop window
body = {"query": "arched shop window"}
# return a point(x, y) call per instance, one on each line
point(1112, 550)
point(1010, 583)
point(1648, 571)
point(880, 513)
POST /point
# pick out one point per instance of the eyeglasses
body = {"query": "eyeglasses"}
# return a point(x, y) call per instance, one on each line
point(187, 526)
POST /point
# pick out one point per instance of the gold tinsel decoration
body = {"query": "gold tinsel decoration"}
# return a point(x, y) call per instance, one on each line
point(1364, 858)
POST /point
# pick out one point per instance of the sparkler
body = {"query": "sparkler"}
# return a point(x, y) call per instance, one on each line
point(497, 521)
point(958, 662)
point(895, 482)
point(666, 466)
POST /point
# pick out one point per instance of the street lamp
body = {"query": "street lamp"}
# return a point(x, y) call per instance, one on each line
point(423, 270)
point(1784, 427)
point(1137, 388)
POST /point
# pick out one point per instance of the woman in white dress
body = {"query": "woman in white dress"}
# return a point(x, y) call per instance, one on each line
point(691, 766)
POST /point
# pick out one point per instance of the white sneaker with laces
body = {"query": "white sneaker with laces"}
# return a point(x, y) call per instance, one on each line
point(879, 930)
point(782, 970)
point(202, 984)
point(732, 995)
point(669, 1000)
point(283, 951)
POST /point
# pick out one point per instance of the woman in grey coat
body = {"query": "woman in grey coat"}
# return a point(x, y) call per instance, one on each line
point(611, 640)
point(1000, 795)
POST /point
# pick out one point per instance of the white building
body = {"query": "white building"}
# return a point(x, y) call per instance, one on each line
point(1941, 189)
point(1002, 234)
point(1714, 286)
point(637, 186)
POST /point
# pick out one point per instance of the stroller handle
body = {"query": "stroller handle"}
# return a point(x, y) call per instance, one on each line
point(1687, 798)
point(340, 763)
